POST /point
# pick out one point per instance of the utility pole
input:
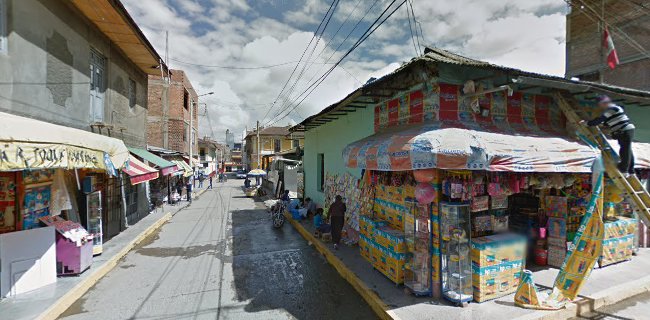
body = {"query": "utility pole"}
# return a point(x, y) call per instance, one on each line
point(258, 145)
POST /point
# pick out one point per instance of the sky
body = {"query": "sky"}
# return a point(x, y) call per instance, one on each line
point(221, 45)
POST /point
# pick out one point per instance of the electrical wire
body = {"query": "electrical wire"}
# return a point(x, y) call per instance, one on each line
point(335, 51)
point(308, 65)
point(301, 57)
point(415, 23)
point(408, 17)
point(287, 98)
point(365, 36)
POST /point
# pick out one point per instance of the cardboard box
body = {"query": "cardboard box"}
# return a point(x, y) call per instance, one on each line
point(556, 255)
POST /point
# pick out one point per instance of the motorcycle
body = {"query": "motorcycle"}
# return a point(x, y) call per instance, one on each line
point(277, 214)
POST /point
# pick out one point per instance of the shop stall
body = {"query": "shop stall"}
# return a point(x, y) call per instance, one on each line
point(462, 205)
point(40, 168)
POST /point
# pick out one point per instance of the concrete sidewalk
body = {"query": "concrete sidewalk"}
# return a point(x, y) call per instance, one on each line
point(50, 301)
point(604, 287)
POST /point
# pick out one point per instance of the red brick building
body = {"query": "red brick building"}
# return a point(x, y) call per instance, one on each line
point(168, 116)
point(629, 26)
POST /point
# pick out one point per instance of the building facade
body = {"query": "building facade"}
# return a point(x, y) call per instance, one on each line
point(628, 25)
point(272, 140)
point(173, 109)
point(209, 152)
point(63, 62)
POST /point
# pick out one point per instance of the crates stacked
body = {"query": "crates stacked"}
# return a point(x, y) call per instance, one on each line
point(556, 210)
point(383, 246)
point(618, 243)
point(497, 264)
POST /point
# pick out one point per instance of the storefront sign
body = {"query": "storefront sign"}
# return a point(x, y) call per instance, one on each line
point(496, 112)
point(20, 156)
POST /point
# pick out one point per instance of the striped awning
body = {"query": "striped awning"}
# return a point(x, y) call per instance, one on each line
point(138, 171)
point(183, 167)
point(166, 167)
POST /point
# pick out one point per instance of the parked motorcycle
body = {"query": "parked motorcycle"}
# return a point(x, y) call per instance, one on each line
point(277, 214)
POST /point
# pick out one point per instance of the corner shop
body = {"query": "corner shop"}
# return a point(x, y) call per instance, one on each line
point(448, 109)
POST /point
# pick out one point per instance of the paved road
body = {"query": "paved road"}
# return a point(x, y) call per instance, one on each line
point(637, 307)
point(222, 259)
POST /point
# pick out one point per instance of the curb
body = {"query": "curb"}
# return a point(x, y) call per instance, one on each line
point(579, 307)
point(584, 305)
point(61, 305)
point(376, 304)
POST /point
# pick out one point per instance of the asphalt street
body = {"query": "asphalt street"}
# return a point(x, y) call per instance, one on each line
point(221, 259)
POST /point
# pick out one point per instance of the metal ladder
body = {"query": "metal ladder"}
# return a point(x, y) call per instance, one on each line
point(632, 186)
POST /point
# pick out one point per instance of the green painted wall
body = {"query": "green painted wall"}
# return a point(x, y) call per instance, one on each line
point(640, 116)
point(330, 139)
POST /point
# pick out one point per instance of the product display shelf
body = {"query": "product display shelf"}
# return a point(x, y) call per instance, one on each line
point(417, 231)
point(455, 230)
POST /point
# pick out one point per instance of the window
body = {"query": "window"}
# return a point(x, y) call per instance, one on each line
point(3, 26)
point(131, 93)
point(97, 89)
point(185, 128)
point(186, 100)
point(277, 145)
point(320, 163)
point(296, 143)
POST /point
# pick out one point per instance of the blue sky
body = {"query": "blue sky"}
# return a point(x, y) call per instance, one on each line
point(204, 34)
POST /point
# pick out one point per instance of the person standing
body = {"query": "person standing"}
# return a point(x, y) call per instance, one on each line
point(189, 189)
point(201, 178)
point(210, 181)
point(337, 219)
point(622, 129)
point(179, 189)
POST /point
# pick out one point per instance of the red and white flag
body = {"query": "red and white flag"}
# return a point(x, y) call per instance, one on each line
point(610, 51)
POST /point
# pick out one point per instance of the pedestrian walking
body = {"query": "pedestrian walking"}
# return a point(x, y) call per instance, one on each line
point(613, 117)
point(337, 219)
point(201, 178)
point(189, 190)
point(210, 185)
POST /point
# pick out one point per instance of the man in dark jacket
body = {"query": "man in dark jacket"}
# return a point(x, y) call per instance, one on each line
point(189, 189)
point(337, 219)
point(622, 129)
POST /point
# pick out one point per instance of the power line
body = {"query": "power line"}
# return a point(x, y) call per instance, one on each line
point(288, 95)
point(307, 65)
point(232, 67)
point(334, 52)
point(365, 36)
point(301, 56)
point(408, 17)
point(415, 23)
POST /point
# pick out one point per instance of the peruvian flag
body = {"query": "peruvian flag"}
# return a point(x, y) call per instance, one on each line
point(608, 43)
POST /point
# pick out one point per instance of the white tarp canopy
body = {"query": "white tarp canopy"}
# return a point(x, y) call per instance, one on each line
point(31, 144)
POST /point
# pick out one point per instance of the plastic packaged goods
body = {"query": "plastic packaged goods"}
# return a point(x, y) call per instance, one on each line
point(497, 263)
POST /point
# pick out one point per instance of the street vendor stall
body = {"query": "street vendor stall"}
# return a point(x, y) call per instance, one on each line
point(463, 204)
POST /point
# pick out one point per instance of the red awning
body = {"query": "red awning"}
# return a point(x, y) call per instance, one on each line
point(139, 172)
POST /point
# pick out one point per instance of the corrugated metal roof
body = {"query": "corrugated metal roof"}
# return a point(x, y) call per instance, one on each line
point(437, 55)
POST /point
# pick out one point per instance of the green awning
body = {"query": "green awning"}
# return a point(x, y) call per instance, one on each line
point(156, 160)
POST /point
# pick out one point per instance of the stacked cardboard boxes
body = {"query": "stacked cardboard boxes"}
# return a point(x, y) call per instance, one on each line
point(497, 263)
point(556, 210)
point(618, 243)
point(383, 247)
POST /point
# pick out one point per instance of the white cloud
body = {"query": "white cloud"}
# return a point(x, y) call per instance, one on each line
point(527, 34)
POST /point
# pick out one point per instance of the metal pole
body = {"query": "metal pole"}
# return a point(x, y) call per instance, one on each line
point(258, 144)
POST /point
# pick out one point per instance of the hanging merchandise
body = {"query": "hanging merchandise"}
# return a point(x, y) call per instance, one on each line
point(425, 175)
point(60, 196)
point(424, 193)
point(8, 218)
